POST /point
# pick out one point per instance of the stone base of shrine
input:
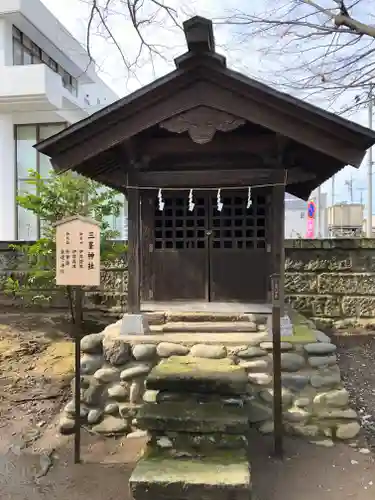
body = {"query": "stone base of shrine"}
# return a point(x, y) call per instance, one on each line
point(115, 366)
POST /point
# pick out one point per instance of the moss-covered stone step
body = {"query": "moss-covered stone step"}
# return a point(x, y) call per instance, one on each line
point(204, 443)
point(198, 417)
point(186, 374)
point(222, 476)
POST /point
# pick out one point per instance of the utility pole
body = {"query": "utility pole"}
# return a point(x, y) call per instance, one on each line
point(361, 194)
point(369, 172)
point(333, 190)
point(349, 183)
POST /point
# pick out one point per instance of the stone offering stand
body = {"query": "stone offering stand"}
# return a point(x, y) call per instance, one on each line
point(115, 367)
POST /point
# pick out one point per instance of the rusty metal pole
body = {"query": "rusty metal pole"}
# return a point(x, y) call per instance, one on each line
point(278, 214)
point(77, 396)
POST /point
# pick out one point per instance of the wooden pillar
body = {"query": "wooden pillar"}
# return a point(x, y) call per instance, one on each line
point(277, 249)
point(134, 272)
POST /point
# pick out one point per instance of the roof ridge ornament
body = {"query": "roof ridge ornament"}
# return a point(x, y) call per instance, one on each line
point(199, 34)
point(201, 123)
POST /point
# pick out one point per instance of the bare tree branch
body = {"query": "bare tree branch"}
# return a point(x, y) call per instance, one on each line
point(315, 48)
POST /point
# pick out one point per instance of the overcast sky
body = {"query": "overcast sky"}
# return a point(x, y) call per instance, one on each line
point(74, 15)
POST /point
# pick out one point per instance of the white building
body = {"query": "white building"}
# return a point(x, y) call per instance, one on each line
point(46, 83)
point(296, 216)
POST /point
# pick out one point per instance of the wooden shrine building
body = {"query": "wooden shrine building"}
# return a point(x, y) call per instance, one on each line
point(185, 150)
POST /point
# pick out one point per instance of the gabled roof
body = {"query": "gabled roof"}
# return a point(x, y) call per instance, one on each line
point(202, 78)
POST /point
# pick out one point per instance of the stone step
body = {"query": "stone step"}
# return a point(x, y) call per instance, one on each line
point(206, 327)
point(193, 443)
point(199, 418)
point(202, 316)
point(219, 476)
point(187, 374)
point(160, 318)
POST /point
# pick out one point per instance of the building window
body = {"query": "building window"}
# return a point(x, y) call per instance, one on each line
point(27, 52)
point(29, 227)
point(27, 158)
point(120, 223)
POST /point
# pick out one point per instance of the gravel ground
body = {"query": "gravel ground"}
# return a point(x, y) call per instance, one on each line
point(357, 363)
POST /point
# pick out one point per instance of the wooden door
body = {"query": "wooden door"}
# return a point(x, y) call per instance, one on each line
point(238, 263)
point(180, 248)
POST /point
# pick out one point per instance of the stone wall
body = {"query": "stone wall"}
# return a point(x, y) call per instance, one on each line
point(333, 278)
point(115, 367)
point(330, 279)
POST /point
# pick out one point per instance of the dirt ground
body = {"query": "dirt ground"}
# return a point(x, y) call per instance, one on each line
point(36, 364)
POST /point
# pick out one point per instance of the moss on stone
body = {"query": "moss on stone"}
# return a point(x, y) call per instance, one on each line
point(185, 364)
point(302, 333)
point(220, 467)
point(187, 374)
point(187, 417)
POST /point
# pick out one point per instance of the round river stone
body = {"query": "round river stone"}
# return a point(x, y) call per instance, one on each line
point(144, 352)
point(105, 375)
point(90, 363)
point(268, 346)
point(320, 348)
point(168, 349)
point(251, 352)
point(347, 431)
point(335, 399)
point(317, 361)
point(94, 416)
point(135, 371)
point(291, 362)
point(92, 344)
point(118, 392)
point(208, 351)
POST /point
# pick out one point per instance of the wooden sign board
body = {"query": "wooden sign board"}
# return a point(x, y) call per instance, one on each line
point(77, 252)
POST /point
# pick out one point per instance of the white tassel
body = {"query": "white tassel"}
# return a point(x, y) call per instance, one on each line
point(249, 200)
point(219, 203)
point(161, 201)
point(191, 202)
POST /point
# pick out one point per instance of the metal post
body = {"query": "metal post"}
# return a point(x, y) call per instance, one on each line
point(318, 213)
point(77, 397)
point(369, 171)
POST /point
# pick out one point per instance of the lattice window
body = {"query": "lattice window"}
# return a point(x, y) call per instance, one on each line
point(236, 226)
point(176, 227)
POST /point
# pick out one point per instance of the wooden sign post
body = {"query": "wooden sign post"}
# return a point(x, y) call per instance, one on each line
point(77, 265)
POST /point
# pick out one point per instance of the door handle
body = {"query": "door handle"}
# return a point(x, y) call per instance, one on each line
point(208, 233)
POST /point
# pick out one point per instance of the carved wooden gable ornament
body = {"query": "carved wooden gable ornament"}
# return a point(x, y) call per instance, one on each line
point(202, 123)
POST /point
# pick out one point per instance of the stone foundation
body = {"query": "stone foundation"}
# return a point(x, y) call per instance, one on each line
point(114, 369)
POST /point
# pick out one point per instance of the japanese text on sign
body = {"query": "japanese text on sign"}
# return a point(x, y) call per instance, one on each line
point(78, 252)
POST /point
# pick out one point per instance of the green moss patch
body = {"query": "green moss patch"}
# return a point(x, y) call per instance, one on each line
point(188, 417)
point(220, 468)
point(187, 374)
point(302, 333)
